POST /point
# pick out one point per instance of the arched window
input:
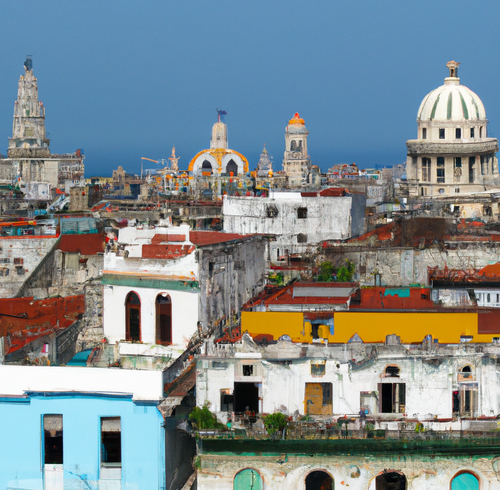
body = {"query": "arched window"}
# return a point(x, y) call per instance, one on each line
point(392, 372)
point(390, 480)
point(319, 480)
point(206, 166)
point(163, 319)
point(133, 317)
point(232, 167)
point(248, 479)
point(465, 481)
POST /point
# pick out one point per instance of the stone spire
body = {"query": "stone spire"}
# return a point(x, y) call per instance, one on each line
point(28, 129)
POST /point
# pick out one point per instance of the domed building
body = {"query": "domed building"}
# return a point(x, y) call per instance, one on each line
point(453, 153)
point(219, 159)
point(296, 161)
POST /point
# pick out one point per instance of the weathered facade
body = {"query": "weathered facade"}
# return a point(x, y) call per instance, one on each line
point(300, 221)
point(418, 417)
point(166, 284)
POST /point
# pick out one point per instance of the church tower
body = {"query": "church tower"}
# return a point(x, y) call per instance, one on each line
point(28, 129)
point(296, 161)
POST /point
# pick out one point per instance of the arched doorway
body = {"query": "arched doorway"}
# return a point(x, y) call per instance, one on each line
point(391, 480)
point(206, 166)
point(232, 167)
point(319, 480)
point(133, 314)
point(248, 479)
point(163, 319)
point(465, 481)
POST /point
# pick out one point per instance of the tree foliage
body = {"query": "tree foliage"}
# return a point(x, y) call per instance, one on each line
point(204, 418)
point(274, 422)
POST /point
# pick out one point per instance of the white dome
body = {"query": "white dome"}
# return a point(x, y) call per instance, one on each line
point(451, 102)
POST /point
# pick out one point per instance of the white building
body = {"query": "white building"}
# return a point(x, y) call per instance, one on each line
point(166, 284)
point(452, 153)
point(299, 220)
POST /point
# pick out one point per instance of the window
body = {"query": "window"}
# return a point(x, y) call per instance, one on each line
point(426, 169)
point(53, 439)
point(424, 133)
point(111, 448)
point(392, 372)
point(458, 133)
point(440, 170)
point(441, 134)
point(457, 190)
point(226, 401)
point(206, 167)
point(472, 161)
point(301, 238)
point(246, 397)
point(457, 171)
point(318, 369)
point(392, 480)
point(302, 213)
point(319, 479)
point(247, 370)
point(465, 400)
point(481, 132)
point(392, 397)
point(272, 211)
point(133, 317)
point(472, 132)
point(163, 319)
point(18, 261)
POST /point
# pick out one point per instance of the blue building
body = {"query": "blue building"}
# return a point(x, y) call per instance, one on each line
point(81, 428)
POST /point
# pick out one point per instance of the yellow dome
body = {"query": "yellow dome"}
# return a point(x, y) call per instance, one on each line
point(296, 119)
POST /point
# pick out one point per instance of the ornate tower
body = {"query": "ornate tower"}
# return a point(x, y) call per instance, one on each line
point(296, 161)
point(28, 129)
point(265, 166)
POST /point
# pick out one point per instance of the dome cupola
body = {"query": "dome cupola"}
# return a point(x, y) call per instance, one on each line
point(451, 101)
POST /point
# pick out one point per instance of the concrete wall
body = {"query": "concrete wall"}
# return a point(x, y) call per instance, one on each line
point(405, 266)
point(31, 251)
point(328, 218)
point(230, 275)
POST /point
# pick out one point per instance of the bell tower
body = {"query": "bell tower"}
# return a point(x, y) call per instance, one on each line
point(296, 161)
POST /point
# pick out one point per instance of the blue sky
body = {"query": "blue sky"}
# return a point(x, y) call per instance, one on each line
point(126, 79)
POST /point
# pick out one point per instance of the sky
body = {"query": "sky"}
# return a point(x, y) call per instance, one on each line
point(131, 78)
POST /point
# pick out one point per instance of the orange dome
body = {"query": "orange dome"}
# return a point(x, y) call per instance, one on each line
point(296, 119)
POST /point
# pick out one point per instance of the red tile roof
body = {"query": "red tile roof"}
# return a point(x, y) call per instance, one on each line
point(202, 238)
point(30, 319)
point(87, 244)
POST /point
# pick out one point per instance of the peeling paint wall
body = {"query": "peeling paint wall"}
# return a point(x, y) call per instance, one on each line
point(284, 472)
point(327, 218)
